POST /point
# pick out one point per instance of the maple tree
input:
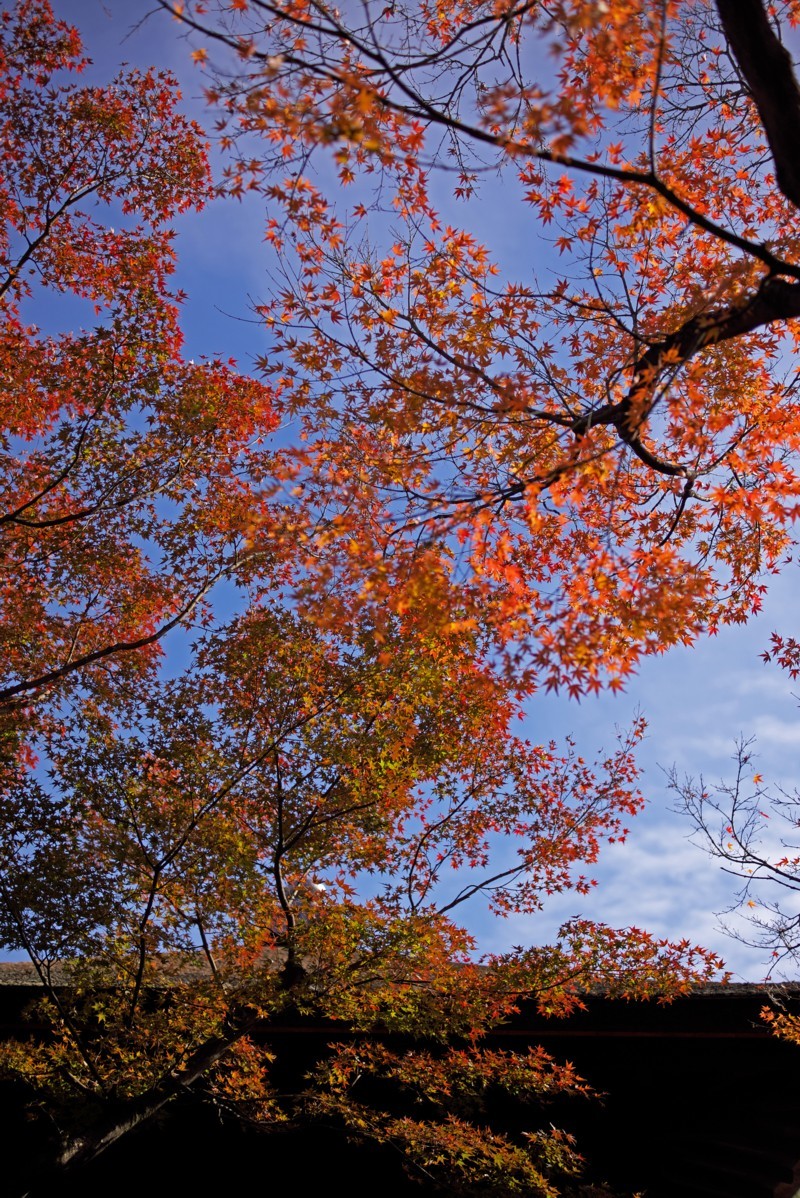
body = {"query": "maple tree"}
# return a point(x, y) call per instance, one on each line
point(596, 451)
point(166, 881)
point(124, 468)
point(293, 817)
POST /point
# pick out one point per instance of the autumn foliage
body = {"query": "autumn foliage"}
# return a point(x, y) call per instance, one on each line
point(516, 467)
point(123, 466)
point(591, 422)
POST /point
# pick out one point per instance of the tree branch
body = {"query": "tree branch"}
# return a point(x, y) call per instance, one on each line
point(775, 300)
point(767, 69)
point(126, 1116)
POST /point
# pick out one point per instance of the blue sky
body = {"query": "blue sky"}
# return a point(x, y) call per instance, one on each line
point(697, 701)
